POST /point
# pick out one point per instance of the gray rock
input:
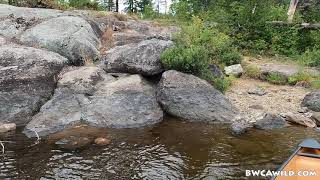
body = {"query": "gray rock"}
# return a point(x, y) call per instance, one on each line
point(193, 99)
point(14, 20)
point(120, 39)
point(280, 69)
point(312, 101)
point(234, 70)
point(301, 120)
point(316, 117)
point(28, 13)
point(257, 91)
point(126, 102)
point(270, 121)
point(240, 127)
point(62, 111)
point(27, 80)
point(82, 80)
point(216, 71)
point(69, 36)
point(142, 58)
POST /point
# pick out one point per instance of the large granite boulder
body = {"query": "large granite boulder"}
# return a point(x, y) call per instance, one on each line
point(116, 102)
point(142, 58)
point(312, 101)
point(14, 20)
point(193, 99)
point(69, 36)
point(27, 80)
point(125, 103)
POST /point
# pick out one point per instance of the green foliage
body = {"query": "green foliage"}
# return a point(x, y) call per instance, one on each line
point(315, 84)
point(252, 71)
point(299, 77)
point(222, 84)
point(85, 4)
point(191, 59)
point(311, 58)
point(248, 23)
point(276, 78)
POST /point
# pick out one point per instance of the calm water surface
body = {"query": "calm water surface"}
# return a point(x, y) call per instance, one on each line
point(170, 150)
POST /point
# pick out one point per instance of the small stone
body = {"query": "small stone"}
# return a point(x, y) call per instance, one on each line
point(256, 106)
point(299, 119)
point(234, 70)
point(239, 127)
point(7, 127)
point(101, 141)
point(303, 110)
point(257, 91)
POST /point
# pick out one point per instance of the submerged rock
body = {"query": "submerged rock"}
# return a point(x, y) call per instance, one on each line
point(312, 101)
point(234, 70)
point(142, 58)
point(193, 99)
point(101, 141)
point(27, 80)
point(240, 127)
point(270, 121)
point(299, 119)
point(73, 143)
point(7, 127)
point(69, 36)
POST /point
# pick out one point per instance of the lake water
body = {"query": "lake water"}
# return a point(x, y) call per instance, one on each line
point(170, 150)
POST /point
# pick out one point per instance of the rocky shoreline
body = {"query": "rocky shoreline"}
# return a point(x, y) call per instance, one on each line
point(58, 71)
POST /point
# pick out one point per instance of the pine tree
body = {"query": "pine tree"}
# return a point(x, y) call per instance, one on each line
point(109, 4)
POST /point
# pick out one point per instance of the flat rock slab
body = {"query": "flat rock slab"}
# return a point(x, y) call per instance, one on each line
point(69, 36)
point(124, 102)
point(27, 80)
point(281, 69)
point(141, 58)
point(193, 99)
point(301, 120)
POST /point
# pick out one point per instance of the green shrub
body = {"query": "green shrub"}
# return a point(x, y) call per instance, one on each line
point(222, 84)
point(252, 71)
point(299, 77)
point(276, 78)
point(229, 57)
point(192, 59)
point(315, 84)
point(311, 58)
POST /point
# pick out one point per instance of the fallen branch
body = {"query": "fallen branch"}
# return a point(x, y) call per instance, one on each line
point(308, 26)
point(2, 147)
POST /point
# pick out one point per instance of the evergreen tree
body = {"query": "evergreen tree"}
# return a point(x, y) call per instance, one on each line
point(109, 4)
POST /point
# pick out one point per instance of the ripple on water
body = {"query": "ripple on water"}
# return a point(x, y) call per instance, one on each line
point(170, 150)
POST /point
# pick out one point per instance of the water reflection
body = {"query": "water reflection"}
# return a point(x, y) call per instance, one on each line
point(171, 150)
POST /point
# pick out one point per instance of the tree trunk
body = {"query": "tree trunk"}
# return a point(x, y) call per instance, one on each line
point(117, 5)
point(292, 10)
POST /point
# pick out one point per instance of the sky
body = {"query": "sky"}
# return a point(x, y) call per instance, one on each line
point(162, 5)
